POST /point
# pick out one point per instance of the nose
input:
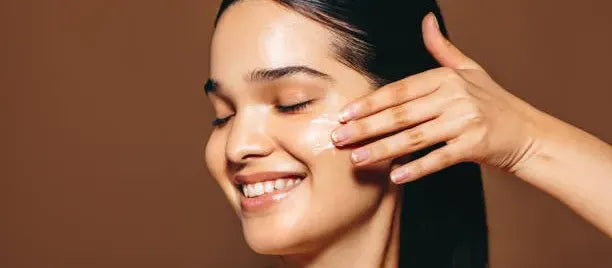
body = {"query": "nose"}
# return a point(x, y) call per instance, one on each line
point(248, 138)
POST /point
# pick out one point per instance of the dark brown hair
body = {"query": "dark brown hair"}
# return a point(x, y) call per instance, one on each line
point(443, 222)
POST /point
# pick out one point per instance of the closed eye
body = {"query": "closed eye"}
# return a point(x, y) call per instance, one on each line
point(283, 109)
point(221, 121)
point(294, 108)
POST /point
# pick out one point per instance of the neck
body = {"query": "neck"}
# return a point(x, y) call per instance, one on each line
point(373, 243)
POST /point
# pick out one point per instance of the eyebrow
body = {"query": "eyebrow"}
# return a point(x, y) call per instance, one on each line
point(278, 73)
point(261, 75)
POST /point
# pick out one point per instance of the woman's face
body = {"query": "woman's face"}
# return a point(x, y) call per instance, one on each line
point(280, 88)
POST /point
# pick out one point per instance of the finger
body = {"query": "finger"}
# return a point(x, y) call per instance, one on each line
point(446, 156)
point(442, 49)
point(407, 89)
point(405, 142)
point(391, 119)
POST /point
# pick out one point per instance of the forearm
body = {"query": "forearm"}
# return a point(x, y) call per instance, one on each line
point(573, 166)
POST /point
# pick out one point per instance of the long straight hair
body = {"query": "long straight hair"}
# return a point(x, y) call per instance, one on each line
point(443, 221)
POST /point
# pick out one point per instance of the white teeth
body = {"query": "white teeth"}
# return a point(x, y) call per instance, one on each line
point(279, 184)
point(251, 190)
point(261, 188)
point(269, 186)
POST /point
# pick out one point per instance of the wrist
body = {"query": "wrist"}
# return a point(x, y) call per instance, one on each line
point(554, 145)
point(540, 138)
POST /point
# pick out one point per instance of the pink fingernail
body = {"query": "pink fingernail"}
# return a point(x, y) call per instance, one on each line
point(341, 135)
point(436, 21)
point(400, 175)
point(360, 155)
point(348, 113)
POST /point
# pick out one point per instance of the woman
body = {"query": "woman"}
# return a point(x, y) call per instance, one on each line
point(319, 103)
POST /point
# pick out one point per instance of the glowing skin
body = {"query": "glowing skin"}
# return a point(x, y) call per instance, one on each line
point(336, 210)
point(319, 137)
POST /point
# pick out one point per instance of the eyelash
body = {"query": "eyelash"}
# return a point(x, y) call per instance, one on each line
point(221, 121)
point(283, 109)
point(294, 108)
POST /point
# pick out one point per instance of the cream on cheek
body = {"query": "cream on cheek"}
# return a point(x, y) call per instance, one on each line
point(310, 135)
point(317, 135)
point(306, 138)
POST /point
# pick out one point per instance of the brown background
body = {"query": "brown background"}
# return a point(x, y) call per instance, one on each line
point(104, 123)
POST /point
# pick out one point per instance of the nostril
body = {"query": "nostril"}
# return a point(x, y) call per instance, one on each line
point(248, 156)
point(247, 152)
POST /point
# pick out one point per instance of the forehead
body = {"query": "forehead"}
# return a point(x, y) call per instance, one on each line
point(261, 34)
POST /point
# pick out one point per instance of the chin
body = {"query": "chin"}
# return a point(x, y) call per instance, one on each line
point(288, 228)
point(274, 235)
point(269, 244)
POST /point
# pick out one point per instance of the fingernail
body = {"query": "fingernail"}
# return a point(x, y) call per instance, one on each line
point(360, 155)
point(400, 175)
point(348, 113)
point(341, 134)
point(436, 21)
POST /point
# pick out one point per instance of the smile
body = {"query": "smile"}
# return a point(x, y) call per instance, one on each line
point(261, 190)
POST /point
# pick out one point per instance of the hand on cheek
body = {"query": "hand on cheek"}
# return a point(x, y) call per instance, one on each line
point(458, 104)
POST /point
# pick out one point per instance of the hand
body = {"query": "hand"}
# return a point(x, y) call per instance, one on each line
point(459, 104)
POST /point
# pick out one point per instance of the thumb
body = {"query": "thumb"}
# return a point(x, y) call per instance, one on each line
point(442, 49)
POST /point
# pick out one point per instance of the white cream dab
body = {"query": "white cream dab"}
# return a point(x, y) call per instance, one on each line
point(324, 143)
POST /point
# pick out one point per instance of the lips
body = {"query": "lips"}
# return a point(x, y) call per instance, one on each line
point(261, 190)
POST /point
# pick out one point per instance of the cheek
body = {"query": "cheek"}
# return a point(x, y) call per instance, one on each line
point(311, 136)
point(339, 194)
point(334, 177)
point(317, 136)
point(309, 140)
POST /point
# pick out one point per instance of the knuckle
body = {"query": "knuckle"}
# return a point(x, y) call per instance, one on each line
point(444, 157)
point(416, 137)
point(395, 86)
point(471, 122)
point(416, 134)
point(367, 104)
point(400, 115)
point(475, 116)
point(398, 90)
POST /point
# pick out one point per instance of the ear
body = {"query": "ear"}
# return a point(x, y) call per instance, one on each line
point(442, 49)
